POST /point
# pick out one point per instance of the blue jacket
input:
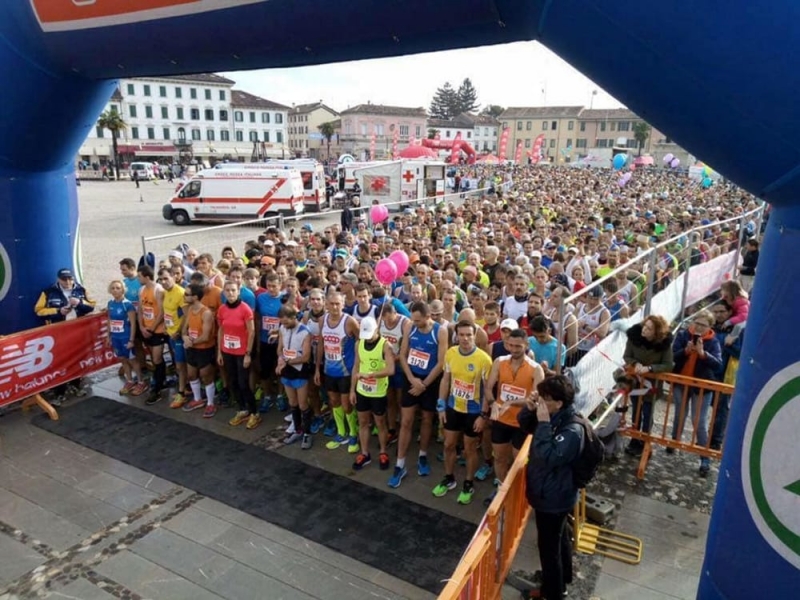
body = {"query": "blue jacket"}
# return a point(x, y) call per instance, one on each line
point(705, 368)
point(52, 299)
point(556, 445)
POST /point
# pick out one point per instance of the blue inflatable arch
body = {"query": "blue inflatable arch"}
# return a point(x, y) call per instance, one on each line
point(720, 77)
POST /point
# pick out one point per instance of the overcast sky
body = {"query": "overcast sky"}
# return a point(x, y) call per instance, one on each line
point(412, 80)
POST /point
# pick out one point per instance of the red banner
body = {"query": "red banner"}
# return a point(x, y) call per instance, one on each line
point(501, 154)
point(36, 360)
point(456, 149)
point(536, 151)
point(518, 153)
point(372, 146)
point(394, 142)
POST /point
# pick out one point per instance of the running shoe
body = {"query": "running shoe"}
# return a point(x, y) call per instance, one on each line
point(239, 418)
point(423, 466)
point(447, 484)
point(288, 418)
point(485, 471)
point(210, 411)
point(397, 477)
point(465, 496)
point(383, 461)
point(139, 389)
point(291, 438)
point(129, 385)
point(253, 421)
point(489, 499)
point(290, 429)
point(392, 439)
point(336, 442)
point(258, 394)
point(58, 400)
point(282, 403)
point(330, 428)
point(317, 423)
point(266, 404)
point(374, 430)
point(224, 398)
point(178, 400)
point(307, 442)
point(76, 390)
point(193, 405)
point(362, 460)
point(352, 445)
point(153, 398)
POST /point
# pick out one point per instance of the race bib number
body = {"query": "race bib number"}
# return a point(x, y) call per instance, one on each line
point(148, 313)
point(418, 359)
point(169, 320)
point(511, 393)
point(193, 334)
point(270, 323)
point(231, 342)
point(289, 354)
point(463, 392)
point(368, 385)
point(117, 326)
point(333, 352)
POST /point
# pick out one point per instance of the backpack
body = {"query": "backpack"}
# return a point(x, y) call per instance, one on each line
point(591, 456)
point(148, 259)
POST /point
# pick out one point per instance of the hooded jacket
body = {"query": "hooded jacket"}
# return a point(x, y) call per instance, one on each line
point(650, 354)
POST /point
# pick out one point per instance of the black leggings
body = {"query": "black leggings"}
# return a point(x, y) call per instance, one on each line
point(239, 381)
point(555, 553)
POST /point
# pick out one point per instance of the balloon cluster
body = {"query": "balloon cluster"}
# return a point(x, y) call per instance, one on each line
point(624, 179)
point(388, 269)
point(619, 161)
point(378, 213)
point(672, 161)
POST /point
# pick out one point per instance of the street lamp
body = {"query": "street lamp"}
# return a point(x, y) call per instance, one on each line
point(591, 99)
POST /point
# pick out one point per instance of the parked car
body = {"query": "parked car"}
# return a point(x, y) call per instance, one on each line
point(144, 169)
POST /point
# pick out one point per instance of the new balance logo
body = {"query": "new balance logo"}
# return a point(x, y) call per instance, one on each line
point(35, 356)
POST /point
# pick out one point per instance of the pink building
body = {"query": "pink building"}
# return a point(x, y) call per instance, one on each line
point(360, 122)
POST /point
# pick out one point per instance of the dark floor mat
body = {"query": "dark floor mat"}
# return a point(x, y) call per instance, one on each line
point(412, 542)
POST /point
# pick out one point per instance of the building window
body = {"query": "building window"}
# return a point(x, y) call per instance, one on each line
point(252, 117)
point(580, 143)
point(209, 114)
point(196, 134)
point(528, 125)
point(99, 131)
point(667, 140)
point(469, 135)
point(553, 143)
point(193, 93)
point(146, 90)
point(447, 133)
point(178, 92)
point(266, 136)
point(363, 129)
point(601, 143)
point(613, 125)
point(222, 95)
point(403, 130)
point(194, 114)
point(225, 135)
point(528, 143)
point(208, 94)
point(418, 130)
point(569, 143)
point(223, 115)
point(583, 126)
point(239, 135)
point(570, 125)
point(278, 135)
point(278, 118)
point(181, 134)
point(165, 112)
point(132, 111)
point(603, 126)
point(347, 127)
point(162, 91)
point(210, 135)
point(253, 136)
point(265, 117)
point(519, 125)
point(165, 131)
point(553, 125)
point(148, 112)
point(485, 132)
point(544, 125)
point(151, 133)
point(135, 133)
point(131, 90)
point(624, 126)
point(379, 128)
point(180, 113)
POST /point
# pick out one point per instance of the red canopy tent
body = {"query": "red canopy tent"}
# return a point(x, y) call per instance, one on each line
point(417, 152)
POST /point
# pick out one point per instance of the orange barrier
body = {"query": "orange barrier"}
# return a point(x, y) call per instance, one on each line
point(483, 568)
point(662, 435)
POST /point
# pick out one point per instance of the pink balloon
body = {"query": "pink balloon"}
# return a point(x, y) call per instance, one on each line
point(668, 157)
point(675, 162)
point(400, 259)
point(385, 271)
point(378, 213)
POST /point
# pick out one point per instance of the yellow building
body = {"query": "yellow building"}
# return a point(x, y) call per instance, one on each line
point(558, 125)
point(305, 140)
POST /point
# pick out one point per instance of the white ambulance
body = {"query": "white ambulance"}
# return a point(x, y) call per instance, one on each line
point(409, 180)
point(313, 174)
point(237, 194)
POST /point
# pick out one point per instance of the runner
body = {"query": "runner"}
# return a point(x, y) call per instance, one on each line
point(122, 338)
point(151, 324)
point(198, 341)
point(313, 320)
point(268, 306)
point(394, 329)
point(463, 408)
point(173, 322)
point(294, 368)
point(374, 365)
point(422, 359)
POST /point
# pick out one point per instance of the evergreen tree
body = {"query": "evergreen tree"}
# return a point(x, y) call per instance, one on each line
point(444, 102)
point(467, 97)
point(493, 110)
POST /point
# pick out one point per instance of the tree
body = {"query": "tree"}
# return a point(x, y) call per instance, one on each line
point(641, 131)
point(111, 120)
point(467, 97)
point(445, 102)
point(432, 133)
point(328, 131)
point(493, 110)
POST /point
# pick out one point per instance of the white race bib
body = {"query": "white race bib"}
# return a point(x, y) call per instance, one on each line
point(270, 323)
point(117, 326)
point(419, 359)
point(148, 313)
point(231, 342)
point(368, 385)
point(333, 352)
point(169, 321)
point(289, 354)
point(463, 392)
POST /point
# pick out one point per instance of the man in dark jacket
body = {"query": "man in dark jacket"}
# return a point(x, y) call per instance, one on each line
point(551, 490)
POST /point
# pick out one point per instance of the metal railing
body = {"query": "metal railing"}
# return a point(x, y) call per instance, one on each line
point(214, 237)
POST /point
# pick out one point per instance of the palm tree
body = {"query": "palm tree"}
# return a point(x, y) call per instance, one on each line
point(112, 120)
point(328, 131)
point(641, 131)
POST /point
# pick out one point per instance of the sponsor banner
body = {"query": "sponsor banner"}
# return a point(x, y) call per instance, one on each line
point(37, 360)
point(69, 15)
point(706, 278)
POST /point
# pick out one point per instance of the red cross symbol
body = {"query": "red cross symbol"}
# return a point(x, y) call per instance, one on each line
point(408, 176)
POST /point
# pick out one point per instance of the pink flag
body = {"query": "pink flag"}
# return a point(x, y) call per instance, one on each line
point(394, 141)
point(372, 146)
point(501, 154)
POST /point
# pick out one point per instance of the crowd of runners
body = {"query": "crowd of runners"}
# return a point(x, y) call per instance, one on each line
point(449, 352)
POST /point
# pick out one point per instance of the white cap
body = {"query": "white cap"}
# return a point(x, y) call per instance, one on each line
point(368, 328)
point(509, 324)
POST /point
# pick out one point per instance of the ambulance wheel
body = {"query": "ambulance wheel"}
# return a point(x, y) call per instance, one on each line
point(180, 217)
